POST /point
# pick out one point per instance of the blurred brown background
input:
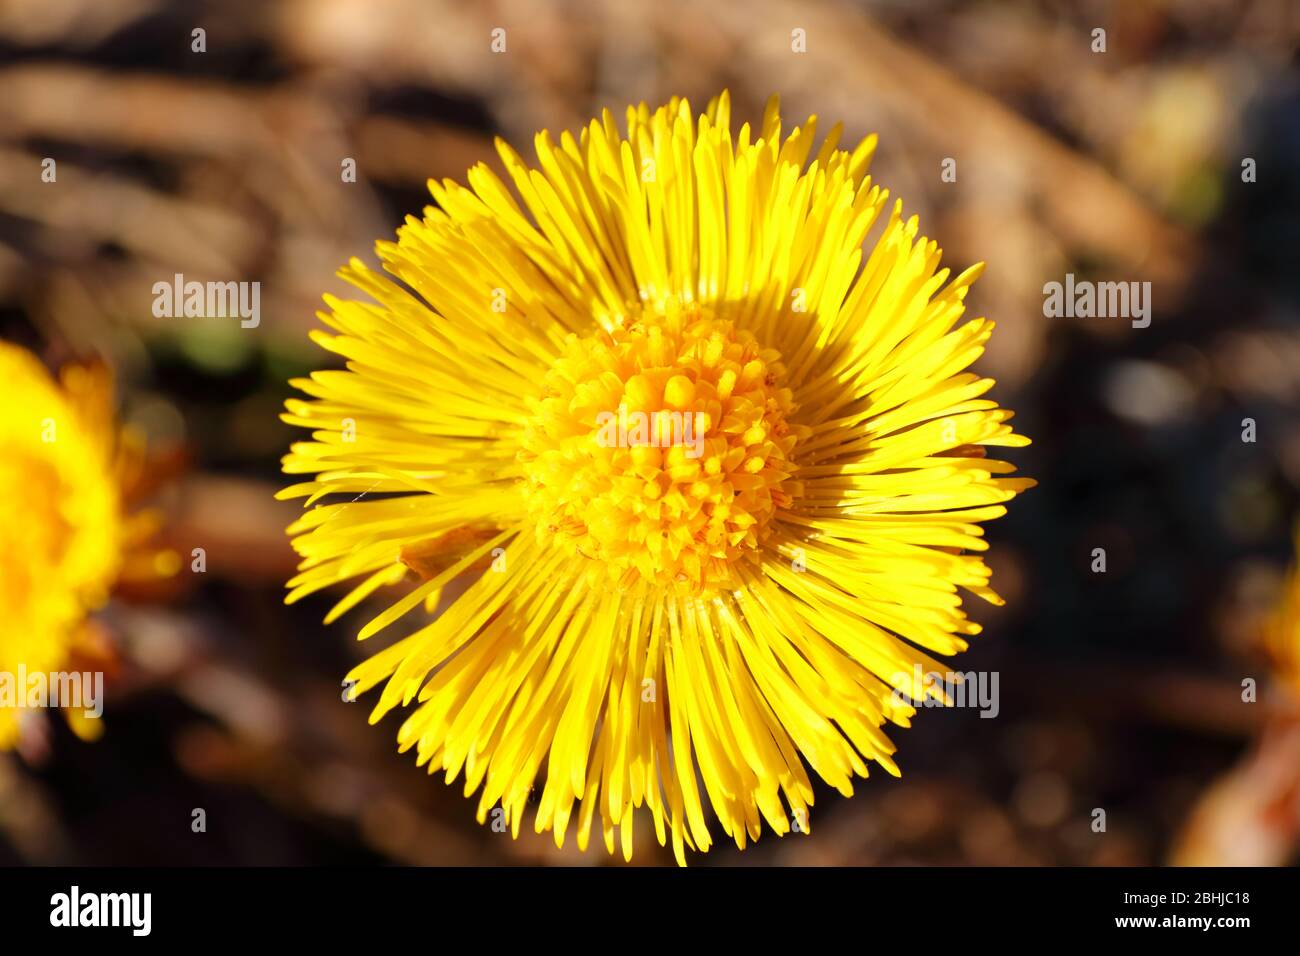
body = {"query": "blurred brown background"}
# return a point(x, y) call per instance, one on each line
point(1119, 691)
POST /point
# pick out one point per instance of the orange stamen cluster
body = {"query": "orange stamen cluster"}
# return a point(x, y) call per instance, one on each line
point(660, 450)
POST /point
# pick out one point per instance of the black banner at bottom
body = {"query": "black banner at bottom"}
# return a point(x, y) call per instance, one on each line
point(432, 906)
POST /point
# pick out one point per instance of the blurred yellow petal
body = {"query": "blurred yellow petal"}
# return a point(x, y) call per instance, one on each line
point(66, 538)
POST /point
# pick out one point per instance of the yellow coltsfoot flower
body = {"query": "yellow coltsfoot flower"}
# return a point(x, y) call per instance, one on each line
point(1280, 635)
point(66, 536)
point(714, 476)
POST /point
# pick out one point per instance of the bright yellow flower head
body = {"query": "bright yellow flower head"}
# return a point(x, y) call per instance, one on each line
point(64, 536)
point(61, 525)
point(714, 476)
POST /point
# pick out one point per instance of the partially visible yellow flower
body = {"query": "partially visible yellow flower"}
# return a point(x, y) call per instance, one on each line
point(65, 536)
point(1282, 629)
point(661, 619)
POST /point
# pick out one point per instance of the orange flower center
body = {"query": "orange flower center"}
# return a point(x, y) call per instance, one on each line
point(660, 450)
